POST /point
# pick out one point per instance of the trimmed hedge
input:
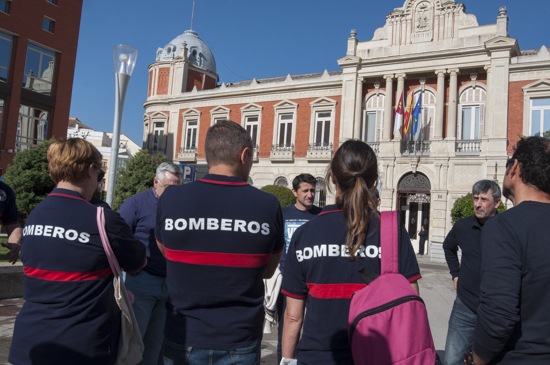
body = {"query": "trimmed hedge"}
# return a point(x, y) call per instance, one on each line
point(284, 195)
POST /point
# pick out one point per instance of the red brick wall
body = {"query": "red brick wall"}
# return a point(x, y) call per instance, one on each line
point(150, 83)
point(209, 83)
point(163, 78)
point(25, 20)
point(515, 112)
point(303, 122)
point(194, 78)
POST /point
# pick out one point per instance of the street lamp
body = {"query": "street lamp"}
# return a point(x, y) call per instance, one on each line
point(124, 60)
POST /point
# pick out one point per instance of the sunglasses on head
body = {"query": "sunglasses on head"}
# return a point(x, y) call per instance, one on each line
point(100, 175)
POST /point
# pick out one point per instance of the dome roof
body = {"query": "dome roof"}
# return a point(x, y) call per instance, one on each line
point(198, 53)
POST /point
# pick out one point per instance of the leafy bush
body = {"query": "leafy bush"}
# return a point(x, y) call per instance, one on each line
point(284, 195)
point(29, 178)
point(464, 207)
point(136, 176)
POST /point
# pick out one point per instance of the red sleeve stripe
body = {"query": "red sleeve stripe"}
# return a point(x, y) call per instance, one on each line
point(223, 182)
point(278, 251)
point(217, 258)
point(69, 196)
point(414, 278)
point(333, 291)
point(294, 296)
point(330, 211)
point(66, 275)
point(159, 241)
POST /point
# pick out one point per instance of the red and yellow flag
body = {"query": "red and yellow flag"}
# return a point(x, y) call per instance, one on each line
point(407, 117)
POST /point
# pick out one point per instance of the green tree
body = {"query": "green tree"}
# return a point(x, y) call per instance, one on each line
point(284, 195)
point(464, 207)
point(29, 178)
point(136, 176)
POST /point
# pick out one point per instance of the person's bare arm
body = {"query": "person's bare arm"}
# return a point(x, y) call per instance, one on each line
point(161, 248)
point(294, 317)
point(478, 360)
point(14, 238)
point(272, 265)
point(415, 286)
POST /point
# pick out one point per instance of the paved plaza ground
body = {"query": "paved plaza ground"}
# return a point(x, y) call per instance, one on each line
point(436, 288)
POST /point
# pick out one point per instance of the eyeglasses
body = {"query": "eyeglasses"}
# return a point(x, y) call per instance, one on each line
point(100, 175)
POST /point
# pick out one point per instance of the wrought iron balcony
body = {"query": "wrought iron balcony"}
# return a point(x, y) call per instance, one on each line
point(375, 147)
point(415, 148)
point(468, 147)
point(321, 151)
point(188, 154)
point(282, 152)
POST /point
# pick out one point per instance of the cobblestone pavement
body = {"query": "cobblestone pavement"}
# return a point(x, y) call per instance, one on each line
point(436, 288)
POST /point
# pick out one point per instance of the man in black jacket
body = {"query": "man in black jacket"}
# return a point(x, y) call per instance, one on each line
point(466, 234)
point(513, 325)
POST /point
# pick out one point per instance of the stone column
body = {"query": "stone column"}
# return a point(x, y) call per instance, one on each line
point(400, 89)
point(453, 91)
point(439, 105)
point(358, 108)
point(386, 133)
point(488, 131)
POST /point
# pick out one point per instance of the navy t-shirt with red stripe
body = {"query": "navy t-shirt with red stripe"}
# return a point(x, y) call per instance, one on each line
point(318, 269)
point(70, 314)
point(218, 235)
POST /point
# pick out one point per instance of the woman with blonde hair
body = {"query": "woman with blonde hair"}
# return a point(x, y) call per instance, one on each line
point(70, 315)
point(325, 255)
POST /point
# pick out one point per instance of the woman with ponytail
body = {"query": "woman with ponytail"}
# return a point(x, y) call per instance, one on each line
point(325, 255)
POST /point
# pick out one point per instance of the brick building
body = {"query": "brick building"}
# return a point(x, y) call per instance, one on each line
point(478, 93)
point(38, 42)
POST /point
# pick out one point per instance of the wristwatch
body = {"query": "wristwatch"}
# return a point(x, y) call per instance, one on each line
point(469, 358)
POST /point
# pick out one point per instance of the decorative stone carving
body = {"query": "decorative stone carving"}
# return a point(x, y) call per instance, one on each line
point(417, 182)
point(468, 20)
point(418, 198)
point(423, 17)
point(379, 34)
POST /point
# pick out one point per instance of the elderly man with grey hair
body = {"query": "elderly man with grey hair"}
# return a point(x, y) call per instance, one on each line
point(149, 285)
point(466, 234)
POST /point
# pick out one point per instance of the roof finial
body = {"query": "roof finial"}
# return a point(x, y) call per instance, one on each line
point(192, 12)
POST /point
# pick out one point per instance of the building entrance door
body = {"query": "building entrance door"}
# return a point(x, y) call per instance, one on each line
point(414, 204)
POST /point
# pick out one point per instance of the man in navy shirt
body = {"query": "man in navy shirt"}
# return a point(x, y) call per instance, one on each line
point(303, 188)
point(513, 325)
point(10, 221)
point(149, 285)
point(220, 237)
point(466, 234)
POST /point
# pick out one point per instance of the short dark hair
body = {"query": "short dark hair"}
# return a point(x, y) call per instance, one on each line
point(533, 155)
point(224, 142)
point(483, 186)
point(303, 178)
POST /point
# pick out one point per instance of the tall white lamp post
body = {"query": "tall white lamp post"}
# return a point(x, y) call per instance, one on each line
point(124, 60)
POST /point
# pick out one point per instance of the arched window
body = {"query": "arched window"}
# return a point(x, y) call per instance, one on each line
point(281, 181)
point(320, 198)
point(426, 118)
point(373, 119)
point(472, 113)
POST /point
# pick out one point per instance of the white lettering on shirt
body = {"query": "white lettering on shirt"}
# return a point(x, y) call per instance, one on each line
point(335, 251)
point(215, 224)
point(56, 232)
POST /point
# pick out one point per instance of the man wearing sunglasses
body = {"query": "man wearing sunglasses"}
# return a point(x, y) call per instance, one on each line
point(513, 322)
point(96, 201)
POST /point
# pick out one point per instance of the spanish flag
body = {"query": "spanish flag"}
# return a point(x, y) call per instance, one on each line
point(407, 117)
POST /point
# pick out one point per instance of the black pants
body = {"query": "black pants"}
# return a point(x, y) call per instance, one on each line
point(421, 245)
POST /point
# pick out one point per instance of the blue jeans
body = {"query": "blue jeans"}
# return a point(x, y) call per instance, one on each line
point(175, 354)
point(150, 295)
point(460, 335)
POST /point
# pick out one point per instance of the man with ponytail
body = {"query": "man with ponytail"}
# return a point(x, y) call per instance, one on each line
point(324, 257)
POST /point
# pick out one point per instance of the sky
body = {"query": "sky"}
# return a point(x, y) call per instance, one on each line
point(249, 39)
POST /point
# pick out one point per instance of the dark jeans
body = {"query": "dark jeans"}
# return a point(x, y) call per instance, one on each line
point(175, 354)
point(460, 335)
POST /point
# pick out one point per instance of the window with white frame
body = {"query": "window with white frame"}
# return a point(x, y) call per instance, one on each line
point(373, 119)
point(32, 127)
point(472, 113)
point(540, 116)
point(284, 134)
point(426, 117)
point(219, 113)
point(322, 128)
point(158, 137)
point(251, 125)
point(281, 181)
point(6, 42)
point(320, 198)
point(39, 69)
point(191, 132)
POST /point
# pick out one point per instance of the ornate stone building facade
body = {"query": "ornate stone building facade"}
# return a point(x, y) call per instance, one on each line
point(478, 92)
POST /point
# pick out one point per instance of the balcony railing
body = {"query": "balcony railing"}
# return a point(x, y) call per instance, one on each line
point(468, 147)
point(375, 147)
point(188, 154)
point(415, 148)
point(321, 151)
point(282, 152)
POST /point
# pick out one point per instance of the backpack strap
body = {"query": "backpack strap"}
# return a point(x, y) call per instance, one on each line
point(390, 242)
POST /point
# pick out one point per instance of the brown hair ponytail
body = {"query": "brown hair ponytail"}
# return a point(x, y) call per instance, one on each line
point(354, 169)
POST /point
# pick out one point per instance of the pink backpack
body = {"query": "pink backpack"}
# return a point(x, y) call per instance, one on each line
point(388, 322)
